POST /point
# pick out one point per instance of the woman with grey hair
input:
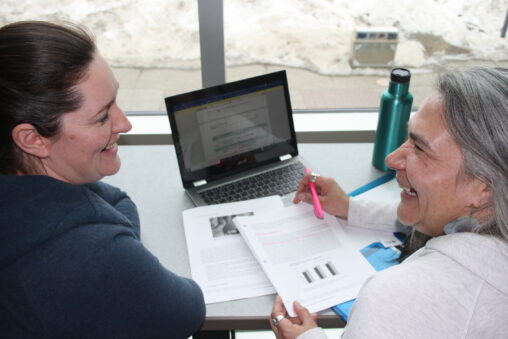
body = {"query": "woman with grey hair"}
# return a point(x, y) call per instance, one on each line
point(453, 171)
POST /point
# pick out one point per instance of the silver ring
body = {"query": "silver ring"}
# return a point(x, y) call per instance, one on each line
point(276, 321)
point(313, 177)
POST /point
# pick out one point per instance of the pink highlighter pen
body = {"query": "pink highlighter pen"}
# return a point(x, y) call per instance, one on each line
point(318, 211)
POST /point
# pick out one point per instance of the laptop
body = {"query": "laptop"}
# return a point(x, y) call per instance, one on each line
point(236, 141)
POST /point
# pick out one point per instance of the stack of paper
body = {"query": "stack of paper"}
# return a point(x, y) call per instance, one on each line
point(306, 258)
point(279, 250)
point(220, 261)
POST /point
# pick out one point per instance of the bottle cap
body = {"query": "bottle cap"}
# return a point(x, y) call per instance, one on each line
point(400, 75)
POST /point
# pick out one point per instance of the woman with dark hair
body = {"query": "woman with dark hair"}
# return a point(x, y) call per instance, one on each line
point(453, 171)
point(72, 264)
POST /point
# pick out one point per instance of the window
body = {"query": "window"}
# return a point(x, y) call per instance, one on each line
point(337, 53)
point(153, 47)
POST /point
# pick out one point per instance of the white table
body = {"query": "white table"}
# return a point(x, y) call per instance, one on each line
point(150, 175)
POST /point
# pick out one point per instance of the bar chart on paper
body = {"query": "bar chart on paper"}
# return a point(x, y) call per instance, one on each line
point(320, 272)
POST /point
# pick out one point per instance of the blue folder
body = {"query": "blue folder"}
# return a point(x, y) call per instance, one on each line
point(380, 258)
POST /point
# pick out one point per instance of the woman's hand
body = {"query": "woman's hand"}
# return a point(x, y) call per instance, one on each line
point(290, 328)
point(333, 199)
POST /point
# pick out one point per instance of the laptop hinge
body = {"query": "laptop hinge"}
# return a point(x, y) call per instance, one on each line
point(285, 157)
point(199, 183)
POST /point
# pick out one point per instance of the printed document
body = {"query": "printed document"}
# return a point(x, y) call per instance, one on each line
point(306, 259)
point(220, 261)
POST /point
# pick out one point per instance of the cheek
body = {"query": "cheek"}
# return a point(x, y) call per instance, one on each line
point(438, 200)
point(86, 147)
point(97, 142)
point(78, 144)
point(418, 176)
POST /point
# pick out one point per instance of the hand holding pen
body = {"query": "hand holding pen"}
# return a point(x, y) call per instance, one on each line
point(318, 211)
point(332, 198)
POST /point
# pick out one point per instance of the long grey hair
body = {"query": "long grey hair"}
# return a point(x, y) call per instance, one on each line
point(476, 112)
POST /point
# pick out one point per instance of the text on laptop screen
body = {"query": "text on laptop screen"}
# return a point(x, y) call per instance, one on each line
point(227, 125)
point(232, 128)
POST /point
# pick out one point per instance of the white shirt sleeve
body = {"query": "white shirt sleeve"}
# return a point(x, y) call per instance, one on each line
point(376, 215)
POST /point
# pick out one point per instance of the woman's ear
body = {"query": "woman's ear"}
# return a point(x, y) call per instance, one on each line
point(30, 141)
point(482, 195)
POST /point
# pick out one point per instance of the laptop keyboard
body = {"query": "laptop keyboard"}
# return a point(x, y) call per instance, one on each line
point(279, 181)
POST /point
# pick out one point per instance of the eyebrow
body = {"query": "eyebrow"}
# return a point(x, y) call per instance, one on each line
point(105, 107)
point(419, 139)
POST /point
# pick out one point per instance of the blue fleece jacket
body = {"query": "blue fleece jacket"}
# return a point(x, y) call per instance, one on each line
point(72, 266)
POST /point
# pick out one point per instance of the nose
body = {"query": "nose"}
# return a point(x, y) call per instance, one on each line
point(397, 159)
point(120, 123)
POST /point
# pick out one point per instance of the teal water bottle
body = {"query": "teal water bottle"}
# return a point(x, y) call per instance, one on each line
point(394, 112)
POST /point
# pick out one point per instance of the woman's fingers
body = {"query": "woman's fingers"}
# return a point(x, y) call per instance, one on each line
point(304, 315)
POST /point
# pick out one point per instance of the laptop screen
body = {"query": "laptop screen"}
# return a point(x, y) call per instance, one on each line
point(225, 129)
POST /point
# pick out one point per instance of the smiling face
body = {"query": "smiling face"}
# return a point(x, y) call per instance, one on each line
point(429, 166)
point(85, 149)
